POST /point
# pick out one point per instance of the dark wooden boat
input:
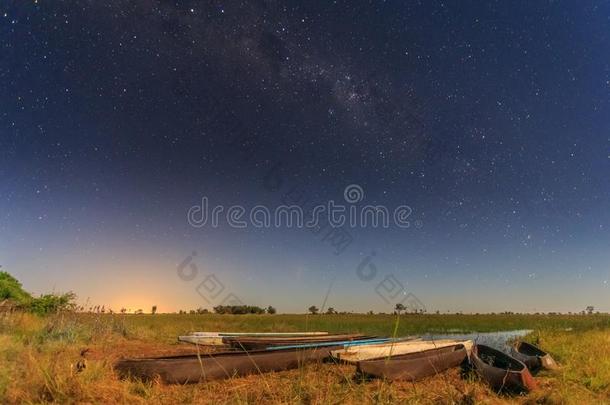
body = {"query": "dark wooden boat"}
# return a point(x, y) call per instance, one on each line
point(414, 366)
point(533, 357)
point(214, 366)
point(257, 343)
point(501, 371)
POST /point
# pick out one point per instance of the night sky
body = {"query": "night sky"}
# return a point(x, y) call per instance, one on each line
point(491, 120)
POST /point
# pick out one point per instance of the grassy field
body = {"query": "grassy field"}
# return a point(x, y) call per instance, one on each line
point(39, 357)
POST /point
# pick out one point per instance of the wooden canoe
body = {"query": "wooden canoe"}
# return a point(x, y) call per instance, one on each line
point(533, 357)
point(501, 371)
point(378, 351)
point(202, 340)
point(207, 367)
point(255, 334)
point(415, 366)
point(215, 338)
point(257, 343)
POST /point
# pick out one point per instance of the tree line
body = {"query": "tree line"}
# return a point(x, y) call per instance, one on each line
point(232, 309)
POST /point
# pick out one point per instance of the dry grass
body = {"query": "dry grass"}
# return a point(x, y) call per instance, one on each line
point(39, 358)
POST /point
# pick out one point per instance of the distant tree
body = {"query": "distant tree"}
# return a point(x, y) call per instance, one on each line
point(590, 309)
point(202, 310)
point(313, 309)
point(271, 310)
point(123, 310)
point(238, 309)
point(331, 311)
point(370, 312)
point(399, 307)
point(139, 312)
point(153, 310)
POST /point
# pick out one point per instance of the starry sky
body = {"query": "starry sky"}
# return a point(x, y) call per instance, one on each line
point(491, 120)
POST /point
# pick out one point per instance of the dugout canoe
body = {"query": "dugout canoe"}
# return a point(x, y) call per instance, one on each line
point(202, 340)
point(257, 334)
point(257, 343)
point(378, 351)
point(415, 366)
point(208, 367)
point(533, 357)
point(501, 371)
point(215, 338)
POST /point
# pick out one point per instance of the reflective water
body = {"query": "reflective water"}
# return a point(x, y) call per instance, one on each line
point(499, 340)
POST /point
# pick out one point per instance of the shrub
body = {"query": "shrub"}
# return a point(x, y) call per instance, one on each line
point(11, 289)
point(52, 303)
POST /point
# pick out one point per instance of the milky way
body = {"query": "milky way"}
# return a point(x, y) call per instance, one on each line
point(489, 120)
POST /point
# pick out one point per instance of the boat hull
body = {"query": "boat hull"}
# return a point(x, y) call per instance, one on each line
point(264, 334)
point(202, 340)
point(501, 371)
point(378, 351)
point(533, 357)
point(208, 367)
point(415, 366)
point(258, 343)
point(216, 338)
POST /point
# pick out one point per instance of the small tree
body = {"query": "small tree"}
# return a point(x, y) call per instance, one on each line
point(271, 310)
point(399, 307)
point(331, 311)
point(313, 309)
point(590, 309)
point(52, 303)
point(153, 310)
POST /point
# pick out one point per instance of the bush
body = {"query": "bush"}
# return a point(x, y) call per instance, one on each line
point(11, 289)
point(52, 303)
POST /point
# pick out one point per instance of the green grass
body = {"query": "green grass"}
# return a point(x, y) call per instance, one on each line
point(167, 326)
point(38, 357)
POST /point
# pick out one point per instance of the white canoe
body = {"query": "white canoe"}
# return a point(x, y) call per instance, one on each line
point(270, 334)
point(202, 340)
point(215, 338)
point(354, 354)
